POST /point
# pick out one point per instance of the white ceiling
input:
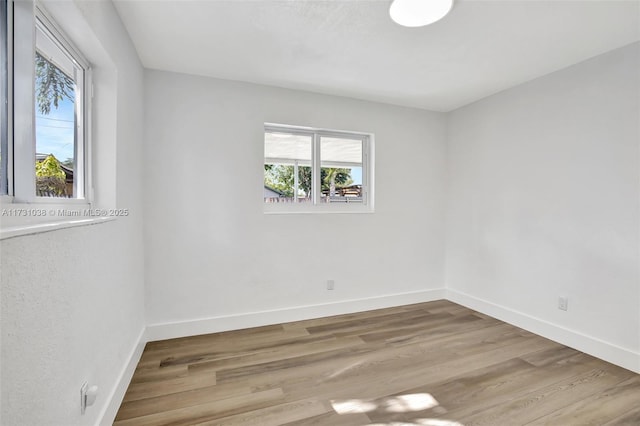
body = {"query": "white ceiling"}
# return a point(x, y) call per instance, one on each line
point(351, 47)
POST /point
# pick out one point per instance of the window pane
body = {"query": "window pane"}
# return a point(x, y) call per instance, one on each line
point(56, 104)
point(341, 170)
point(287, 168)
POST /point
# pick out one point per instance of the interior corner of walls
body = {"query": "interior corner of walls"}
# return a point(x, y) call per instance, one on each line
point(116, 395)
point(170, 330)
point(590, 345)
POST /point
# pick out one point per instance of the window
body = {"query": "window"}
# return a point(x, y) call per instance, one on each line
point(59, 111)
point(48, 141)
point(309, 169)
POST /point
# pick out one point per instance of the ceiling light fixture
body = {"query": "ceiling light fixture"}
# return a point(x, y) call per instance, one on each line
point(418, 13)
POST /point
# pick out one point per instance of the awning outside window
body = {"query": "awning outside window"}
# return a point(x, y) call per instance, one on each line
point(281, 148)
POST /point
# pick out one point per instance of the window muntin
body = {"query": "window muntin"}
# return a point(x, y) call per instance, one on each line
point(332, 168)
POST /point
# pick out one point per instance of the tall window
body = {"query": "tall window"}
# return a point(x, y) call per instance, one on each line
point(316, 168)
point(59, 117)
point(48, 140)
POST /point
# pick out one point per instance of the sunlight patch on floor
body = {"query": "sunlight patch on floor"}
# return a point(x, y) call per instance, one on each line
point(394, 404)
point(353, 406)
point(412, 402)
point(421, 422)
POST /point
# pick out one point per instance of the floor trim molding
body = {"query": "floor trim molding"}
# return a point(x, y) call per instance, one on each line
point(277, 316)
point(108, 414)
point(599, 348)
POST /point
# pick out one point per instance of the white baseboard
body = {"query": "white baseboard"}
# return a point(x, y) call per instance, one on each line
point(614, 354)
point(298, 313)
point(110, 410)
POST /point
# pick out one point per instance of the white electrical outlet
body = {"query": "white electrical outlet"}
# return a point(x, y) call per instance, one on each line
point(88, 396)
point(83, 397)
point(563, 303)
point(330, 284)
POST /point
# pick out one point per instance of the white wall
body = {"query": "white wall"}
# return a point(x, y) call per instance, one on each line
point(543, 201)
point(211, 250)
point(72, 299)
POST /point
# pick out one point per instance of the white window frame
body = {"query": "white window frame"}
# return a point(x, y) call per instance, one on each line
point(315, 206)
point(22, 144)
point(7, 118)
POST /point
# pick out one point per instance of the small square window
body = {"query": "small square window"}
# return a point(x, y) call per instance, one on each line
point(318, 168)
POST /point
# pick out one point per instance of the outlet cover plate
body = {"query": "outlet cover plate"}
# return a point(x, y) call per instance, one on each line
point(563, 303)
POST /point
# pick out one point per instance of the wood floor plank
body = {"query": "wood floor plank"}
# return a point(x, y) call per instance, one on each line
point(331, 418)
point(549, 356)
point(435, 323)
point(626, 418)
point(273, 416)
point(295, 350)
point(154, 373)
point(217, 408)
point(217, 346)
point(423, 364)
point(597, 408)
point(552, 398)
point(204, 338)
point(469, 395)
point(177, 400)
point(144, 390)
point(413, 374)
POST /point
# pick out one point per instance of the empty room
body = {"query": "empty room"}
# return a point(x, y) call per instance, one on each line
point(320, 212)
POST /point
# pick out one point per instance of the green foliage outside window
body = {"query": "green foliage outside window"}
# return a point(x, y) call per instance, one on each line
point(281, 178)
point(50, 178)
point(52, 85)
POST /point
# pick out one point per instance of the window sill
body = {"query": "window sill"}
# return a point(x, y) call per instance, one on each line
point(318, 209)
point(31, 228)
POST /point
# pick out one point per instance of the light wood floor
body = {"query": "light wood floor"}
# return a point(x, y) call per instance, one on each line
point(434, 363)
